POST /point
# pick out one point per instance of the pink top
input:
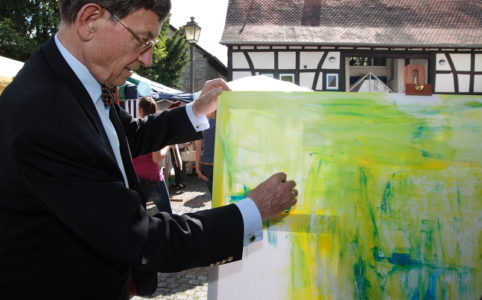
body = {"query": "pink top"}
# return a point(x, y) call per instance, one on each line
point(147, 169)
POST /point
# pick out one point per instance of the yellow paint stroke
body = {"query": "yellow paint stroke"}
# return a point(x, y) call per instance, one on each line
point(390, 189)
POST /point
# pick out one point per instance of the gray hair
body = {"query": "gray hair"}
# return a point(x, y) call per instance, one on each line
point(121, 8)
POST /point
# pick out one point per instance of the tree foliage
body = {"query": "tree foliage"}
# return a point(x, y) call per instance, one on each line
point(24, 25)
point(168, 68)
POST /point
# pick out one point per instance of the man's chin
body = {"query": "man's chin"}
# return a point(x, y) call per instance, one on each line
point(123, 77)
point(121, 80)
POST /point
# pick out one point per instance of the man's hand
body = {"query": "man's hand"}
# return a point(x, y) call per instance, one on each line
point(274, 195)
point(208, 101)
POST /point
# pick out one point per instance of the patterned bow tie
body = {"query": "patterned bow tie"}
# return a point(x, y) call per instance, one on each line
point(108, 95)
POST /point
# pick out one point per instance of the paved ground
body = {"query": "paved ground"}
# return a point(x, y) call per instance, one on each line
point(191, 284)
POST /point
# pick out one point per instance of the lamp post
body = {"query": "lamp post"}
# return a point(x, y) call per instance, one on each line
point(193, 31)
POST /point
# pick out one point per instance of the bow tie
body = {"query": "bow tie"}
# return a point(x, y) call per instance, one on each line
point(108, 95)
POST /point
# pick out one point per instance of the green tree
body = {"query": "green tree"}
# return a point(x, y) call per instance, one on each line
point(24, 25)
point(168, 67)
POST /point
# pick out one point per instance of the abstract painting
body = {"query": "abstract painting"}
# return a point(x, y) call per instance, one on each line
point(390, 194)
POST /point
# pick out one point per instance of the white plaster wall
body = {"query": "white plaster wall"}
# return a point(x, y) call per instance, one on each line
point(237, 75)
point(441, 62)
point(478, 62)
point(464, 83)
point(444, 83)
point(397, 84)
point(334, 64)
point(478, 84)
point(461, 61)
point(286, 60)
point(310, 59)
point(262, 60)
point(239, 60)
point(306, 79)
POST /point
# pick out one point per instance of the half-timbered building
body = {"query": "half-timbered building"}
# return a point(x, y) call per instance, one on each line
point(328, 45)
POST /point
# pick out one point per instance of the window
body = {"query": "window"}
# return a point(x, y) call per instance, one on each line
point(332, 81)
point(367, 61)
point(287, 77)
point(270, 75)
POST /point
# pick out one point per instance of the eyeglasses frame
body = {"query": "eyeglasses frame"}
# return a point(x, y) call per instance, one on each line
point(144, 44)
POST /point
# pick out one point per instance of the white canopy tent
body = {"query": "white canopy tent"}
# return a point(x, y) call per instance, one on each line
point(8, 69)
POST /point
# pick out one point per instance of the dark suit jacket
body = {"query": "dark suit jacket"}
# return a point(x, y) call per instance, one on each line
point(69, 228)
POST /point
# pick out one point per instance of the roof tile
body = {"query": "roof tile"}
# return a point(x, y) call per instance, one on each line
point(441, 23)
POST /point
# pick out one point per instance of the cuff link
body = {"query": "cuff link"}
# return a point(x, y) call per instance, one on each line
point(221, 262)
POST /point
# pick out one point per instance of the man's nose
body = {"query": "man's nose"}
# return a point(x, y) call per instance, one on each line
point(146, 57)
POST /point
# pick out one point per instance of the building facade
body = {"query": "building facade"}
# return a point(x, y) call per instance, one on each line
point(206, 67)
point(331, 45)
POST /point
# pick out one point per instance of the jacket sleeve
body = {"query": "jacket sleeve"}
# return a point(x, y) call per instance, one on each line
point(155, 131)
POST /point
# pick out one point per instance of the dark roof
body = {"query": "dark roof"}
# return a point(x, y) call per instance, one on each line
point(412, 23)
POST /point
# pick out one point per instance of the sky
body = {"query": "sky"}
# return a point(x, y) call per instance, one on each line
point(210, 15)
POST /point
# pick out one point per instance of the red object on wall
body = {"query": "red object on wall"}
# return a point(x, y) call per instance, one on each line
point(415, 81)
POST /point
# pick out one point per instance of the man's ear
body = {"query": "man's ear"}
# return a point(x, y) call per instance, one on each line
point(87, 20)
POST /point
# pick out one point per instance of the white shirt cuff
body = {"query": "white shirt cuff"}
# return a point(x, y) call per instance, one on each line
point(253, 224)
point(199, 123)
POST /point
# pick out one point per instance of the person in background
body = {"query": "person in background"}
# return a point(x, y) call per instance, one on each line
point(205, 153)
point(176, 160)
point(148, 168)
point(72, 217)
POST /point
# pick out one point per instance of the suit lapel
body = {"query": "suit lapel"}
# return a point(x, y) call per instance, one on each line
point(58, 64)
point(63, 70)
point(125, 151)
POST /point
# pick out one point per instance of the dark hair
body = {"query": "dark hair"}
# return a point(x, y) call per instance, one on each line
point(148, 105)
point(121, 8)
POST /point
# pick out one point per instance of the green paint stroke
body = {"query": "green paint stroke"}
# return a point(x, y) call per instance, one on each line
point(389, 204)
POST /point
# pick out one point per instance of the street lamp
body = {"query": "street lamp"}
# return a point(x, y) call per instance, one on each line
point(193, 31)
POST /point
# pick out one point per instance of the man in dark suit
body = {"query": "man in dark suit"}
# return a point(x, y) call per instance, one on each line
point(72, 223)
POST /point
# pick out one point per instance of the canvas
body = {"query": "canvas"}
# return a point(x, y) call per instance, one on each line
point(390, 190)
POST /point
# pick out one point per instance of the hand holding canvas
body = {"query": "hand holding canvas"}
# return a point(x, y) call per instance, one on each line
point(208, 101)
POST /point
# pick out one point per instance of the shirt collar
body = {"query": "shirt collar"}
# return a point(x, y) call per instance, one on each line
point(88, 80)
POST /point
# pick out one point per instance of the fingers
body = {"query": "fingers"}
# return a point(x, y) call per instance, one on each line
point(216, 83)
point(290, 184)
point(207, 103)
point(280, 177)
point(212, 93)
point(274, 195)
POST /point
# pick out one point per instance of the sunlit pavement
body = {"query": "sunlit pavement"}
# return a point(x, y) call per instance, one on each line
point(191, 284)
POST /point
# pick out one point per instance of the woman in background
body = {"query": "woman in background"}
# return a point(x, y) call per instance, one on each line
point(148, 169)
point(205, 153)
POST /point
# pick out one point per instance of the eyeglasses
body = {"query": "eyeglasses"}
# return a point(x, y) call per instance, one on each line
point(144, 44)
